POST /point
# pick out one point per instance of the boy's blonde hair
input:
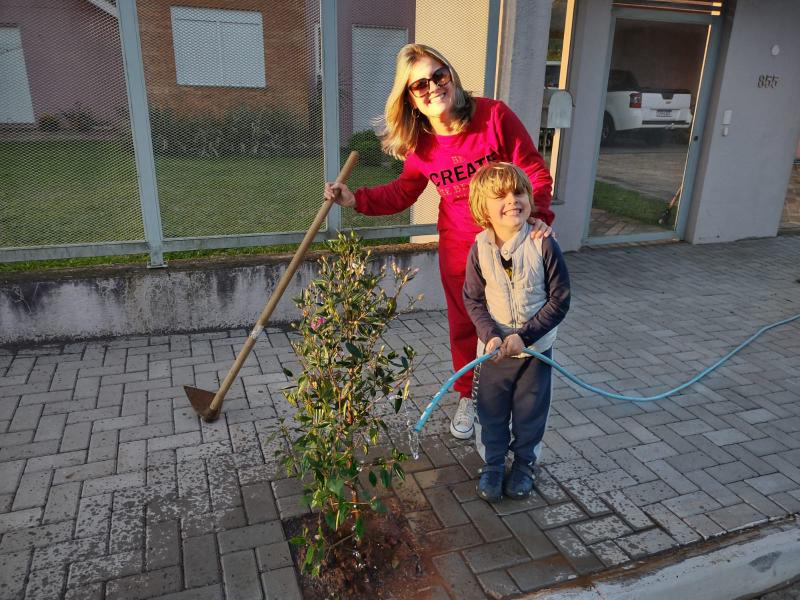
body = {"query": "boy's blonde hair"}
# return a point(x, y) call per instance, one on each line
point(495, 180)
point(402, 123)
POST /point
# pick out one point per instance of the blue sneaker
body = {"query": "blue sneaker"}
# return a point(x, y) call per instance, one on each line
point(490, 486)
point(519, 483)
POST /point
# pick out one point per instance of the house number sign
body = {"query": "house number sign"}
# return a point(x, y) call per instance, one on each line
point(768, 81)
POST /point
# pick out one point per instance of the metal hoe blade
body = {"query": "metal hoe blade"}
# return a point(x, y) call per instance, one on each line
point(201, 402)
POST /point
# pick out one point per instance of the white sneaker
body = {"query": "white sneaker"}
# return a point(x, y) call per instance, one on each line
point(462, 424)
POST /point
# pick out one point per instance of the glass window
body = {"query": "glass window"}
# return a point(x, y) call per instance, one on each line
point(218, 47)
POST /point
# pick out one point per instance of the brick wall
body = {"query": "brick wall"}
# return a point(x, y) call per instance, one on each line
point(288, 60)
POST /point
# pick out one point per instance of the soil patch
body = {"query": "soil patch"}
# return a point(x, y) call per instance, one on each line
point(389, 563)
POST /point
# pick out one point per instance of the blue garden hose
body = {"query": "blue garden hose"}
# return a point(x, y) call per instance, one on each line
point(447, 384)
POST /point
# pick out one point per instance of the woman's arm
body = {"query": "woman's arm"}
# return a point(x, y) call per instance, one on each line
point(558, 293)
point(387, 199)
point(523, 153)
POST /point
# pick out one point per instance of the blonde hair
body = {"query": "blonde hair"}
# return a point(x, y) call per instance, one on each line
point(495, 180)
point(403, 124)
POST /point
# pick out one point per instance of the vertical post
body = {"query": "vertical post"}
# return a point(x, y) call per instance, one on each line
point(140, 129)
point(330, 102)
point(492, 38)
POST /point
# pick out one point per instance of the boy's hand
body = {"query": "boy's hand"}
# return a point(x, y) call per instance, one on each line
point(540, 228)
point(512, 346)
point(493, 344)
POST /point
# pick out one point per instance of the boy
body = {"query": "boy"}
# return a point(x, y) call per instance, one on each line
point(516, 292)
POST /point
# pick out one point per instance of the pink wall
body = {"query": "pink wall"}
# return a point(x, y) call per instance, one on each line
point(72, 54)
point(398, 13)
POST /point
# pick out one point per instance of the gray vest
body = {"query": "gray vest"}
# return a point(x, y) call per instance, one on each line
point(513, 302)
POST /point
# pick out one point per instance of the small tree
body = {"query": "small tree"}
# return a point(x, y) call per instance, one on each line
point(347, 376)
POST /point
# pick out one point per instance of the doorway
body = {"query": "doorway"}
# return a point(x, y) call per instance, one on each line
point(659, 69)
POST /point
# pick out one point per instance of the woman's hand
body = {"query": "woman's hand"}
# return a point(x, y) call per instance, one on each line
point(493, 344)
point(340, 193)
point(540, 228)
point(511, 346)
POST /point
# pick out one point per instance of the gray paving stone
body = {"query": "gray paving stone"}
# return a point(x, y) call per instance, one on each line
point(648, 493)
point(454, 538)
point(163, 545)
point(646, 543)
point(691, 504)
point(251, 536)
point(455, 572)
point(653, 451)
point(240, 575)
point(486, 520)
point(259, 503)
point(609, 553)
point(771, 484)
point(690, 461)
point(675, 526)
point(102, 485)
point(497, 584)
point(726, 436)
point(443, 476)
point(730, 472)
point(736, 517)
point(446, 507)
point(13, 569)
point(45, 583)
point(575, 551)
point(281, 584)
point(542, 573)
point(94, 516)
point(32, 490)
point(20, 519)
point(200, 561)
point(103, 568)
point(598, 530)
point(145, 585)
point(557, 515)
point(62, 502)
point(273, 556)
point(529, 535)
point(573, 469)
point(36, 537)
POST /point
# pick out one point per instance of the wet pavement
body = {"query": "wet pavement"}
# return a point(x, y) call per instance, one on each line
point(110, 486)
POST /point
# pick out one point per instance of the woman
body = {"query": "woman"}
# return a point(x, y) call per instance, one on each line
point(444, 135)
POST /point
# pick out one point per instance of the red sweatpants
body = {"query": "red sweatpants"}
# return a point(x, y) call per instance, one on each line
point(453, 254)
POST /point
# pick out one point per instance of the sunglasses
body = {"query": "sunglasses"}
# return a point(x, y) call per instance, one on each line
point(421, 87)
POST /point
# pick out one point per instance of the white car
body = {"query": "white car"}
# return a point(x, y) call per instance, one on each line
point(649, 111)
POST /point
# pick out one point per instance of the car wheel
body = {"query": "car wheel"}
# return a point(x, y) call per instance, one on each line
point(608, 132)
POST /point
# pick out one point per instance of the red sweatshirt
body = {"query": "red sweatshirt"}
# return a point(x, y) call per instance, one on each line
point(494, 133)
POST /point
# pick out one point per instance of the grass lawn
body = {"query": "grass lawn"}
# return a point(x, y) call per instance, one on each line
point(627, 203)
point(60, 192)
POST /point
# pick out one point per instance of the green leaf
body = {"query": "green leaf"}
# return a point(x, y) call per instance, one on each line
point(373, 479)
point(398, 403)
point(386, 478)
point(358, 528)
point(336, 485)
point(353, 350)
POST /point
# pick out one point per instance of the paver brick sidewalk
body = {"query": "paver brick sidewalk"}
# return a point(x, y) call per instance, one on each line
point(110, 487)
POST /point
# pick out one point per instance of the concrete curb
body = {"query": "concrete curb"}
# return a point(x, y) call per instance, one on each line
point(740, 569)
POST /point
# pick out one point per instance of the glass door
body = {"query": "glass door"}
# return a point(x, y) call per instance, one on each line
point(653, 87)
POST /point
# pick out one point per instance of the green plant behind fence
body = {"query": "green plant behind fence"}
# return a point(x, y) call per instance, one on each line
point(348, 377)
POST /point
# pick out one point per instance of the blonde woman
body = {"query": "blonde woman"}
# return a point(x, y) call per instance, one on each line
point(444, 136)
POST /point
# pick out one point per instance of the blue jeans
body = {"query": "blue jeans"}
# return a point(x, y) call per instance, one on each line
point(518, 388)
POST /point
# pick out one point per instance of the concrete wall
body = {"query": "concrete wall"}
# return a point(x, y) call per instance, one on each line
point(742, 177)
point(49, 306)
point(587, 79)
